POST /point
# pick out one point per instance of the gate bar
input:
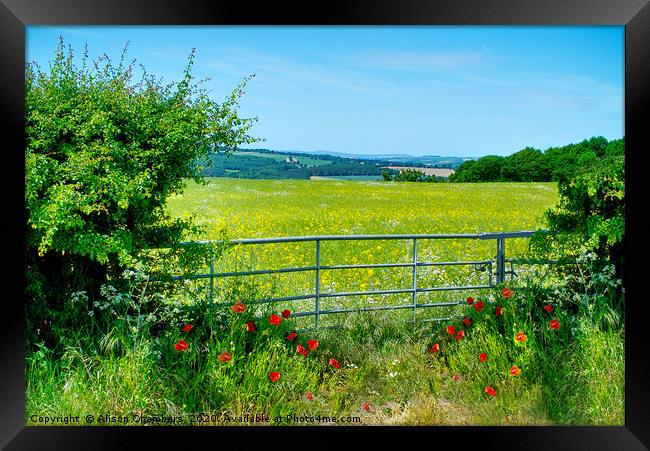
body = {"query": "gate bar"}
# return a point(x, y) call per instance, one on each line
point(415, 276)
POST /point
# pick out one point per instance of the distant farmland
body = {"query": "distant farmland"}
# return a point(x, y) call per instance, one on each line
point(279, 165)
point(301, 160)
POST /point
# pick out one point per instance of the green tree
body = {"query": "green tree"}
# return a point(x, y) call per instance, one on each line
point(567, 161)
point(104, 152)
point(527, 165)
point(615, 148)
point(462, 171)
point(485, 169)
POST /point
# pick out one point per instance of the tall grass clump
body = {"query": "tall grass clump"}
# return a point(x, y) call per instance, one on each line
point(149, 356)
point(588, 387)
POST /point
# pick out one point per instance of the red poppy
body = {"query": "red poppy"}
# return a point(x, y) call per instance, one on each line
point(520, 336)
point(434, 348)
point(490, 391)
point(250, 326)
point(292, 336)
point(274, 376)
point(479, 306)
point(467, 321)
point(275, 320)
point(548, 308)
point(366, 407)
point(224, 357)
point(451, 330)
point(482, 357)
point(456, 377)
point(309, 396)
point(300, 349)
point(514, 370)
point(459, 335)
point(181, 345)
point(499, 310)
point(506, 292)
point(238, 307)
point(555, 324)
point(470, 300)
point(286, 313)
point(335, 363)
point(313, 344)
point(187, 328)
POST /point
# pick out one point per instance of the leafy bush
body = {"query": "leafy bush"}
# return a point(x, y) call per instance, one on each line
point(104, 153)
point(589, 218)
point(410, 175)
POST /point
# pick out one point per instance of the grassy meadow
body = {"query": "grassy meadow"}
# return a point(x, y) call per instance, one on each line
point(273, 208)
point(281, 208)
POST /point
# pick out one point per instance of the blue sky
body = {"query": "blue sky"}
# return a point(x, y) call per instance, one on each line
point(419, 90)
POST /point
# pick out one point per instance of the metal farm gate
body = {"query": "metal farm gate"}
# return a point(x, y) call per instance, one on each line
point(496, 269)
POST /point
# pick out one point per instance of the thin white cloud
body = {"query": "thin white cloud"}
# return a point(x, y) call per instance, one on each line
point(566, 90)
point(243, 62)
point(558, 90)
point(491, 81)
point(537, 90)
point(419, 61)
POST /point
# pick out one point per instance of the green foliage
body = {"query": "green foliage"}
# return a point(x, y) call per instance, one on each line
point(409, 175)
point(567, 161)
point(485, 169)
point(104, 153)
point(532, 165)
point(582, 370)
point(527, 165)
point(589, 217)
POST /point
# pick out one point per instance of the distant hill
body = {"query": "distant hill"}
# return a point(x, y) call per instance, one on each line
point(427, 160)
point(276, 164)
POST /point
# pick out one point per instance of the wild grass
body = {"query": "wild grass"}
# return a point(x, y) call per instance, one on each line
point(567, 376)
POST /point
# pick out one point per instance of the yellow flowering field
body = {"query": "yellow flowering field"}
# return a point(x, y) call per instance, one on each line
point(282, 208)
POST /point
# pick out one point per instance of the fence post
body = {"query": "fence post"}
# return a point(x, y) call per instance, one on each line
point(501, 260)
point(211, 282)
point(415, 277)
point(317, 306)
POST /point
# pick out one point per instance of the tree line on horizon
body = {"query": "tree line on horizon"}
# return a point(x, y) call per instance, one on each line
point(533, 165)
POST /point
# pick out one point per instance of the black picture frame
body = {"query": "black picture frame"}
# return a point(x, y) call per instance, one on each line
point(15, 15)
